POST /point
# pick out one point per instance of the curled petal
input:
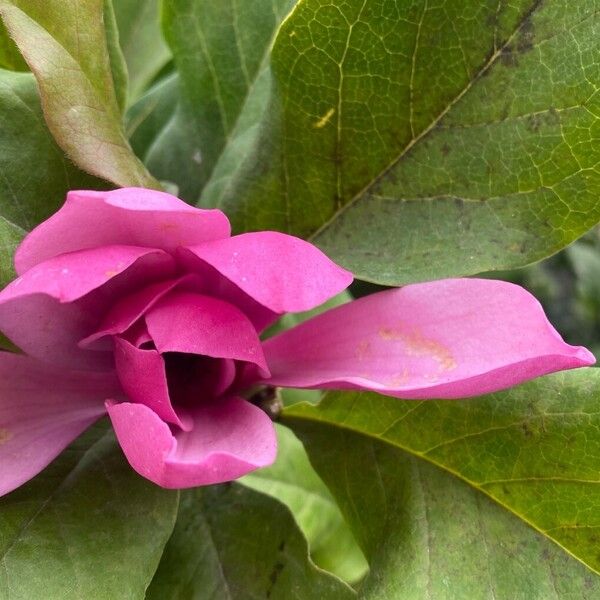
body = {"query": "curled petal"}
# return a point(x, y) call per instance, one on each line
point(143, 377)
point(230, 437)
point(128, 310)
point(51, 307)
point(281, 272)
point(446, 339)
point(41, 411)
point(127, 216)
point(196, 324)
point(218, 286)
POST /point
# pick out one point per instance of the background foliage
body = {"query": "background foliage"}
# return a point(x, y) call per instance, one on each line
point(411, 141)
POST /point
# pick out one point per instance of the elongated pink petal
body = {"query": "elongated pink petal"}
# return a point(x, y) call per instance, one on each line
point(51, 307)
point(128, 216)
point(42, 410)
point(230, 437)
point(196, 324)
point(446, 339)
point(281, 272)
point(143, 377)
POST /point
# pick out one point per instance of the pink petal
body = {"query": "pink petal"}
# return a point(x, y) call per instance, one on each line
point(143, 378)
point(196, 324)
point(51, 307)
point(216, 285)
point(128, 216)
point(230, 438)
point(446, 339)
point(281, 272)
point(42, 410)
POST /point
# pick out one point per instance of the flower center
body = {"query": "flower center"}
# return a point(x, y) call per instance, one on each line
point(193, 378)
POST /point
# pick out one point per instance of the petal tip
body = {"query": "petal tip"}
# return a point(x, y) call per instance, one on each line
point(584, 356)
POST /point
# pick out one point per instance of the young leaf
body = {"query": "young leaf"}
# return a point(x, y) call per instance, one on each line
point(424, 140)
point(293, 481)
point(428, 535)
point(232, 542)
point(534, 449)
point(35, 175)
point(221, 50)
point(86, 527)
point(67, 51)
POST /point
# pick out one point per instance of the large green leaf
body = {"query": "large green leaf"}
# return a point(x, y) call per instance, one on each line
point(87, 527)
point(232, 543)
point(428, 535)
point(68, 53)
point(221, 50)
point(535, 449)
point(141, 40)
point(421, 140)
point(34, 172)
point(293, 481)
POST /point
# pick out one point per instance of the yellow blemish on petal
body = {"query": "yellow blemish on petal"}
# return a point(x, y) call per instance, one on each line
point(416, 344)
point(5, 436)
point(324, 119)
point(111, 273)
point(363, 350)
point(169, 226)
point(399, 378)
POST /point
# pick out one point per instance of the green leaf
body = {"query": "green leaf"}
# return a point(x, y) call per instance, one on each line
point(221, 50)
point(422, 140)
point(145, 50)
point(35, 174)
point(293, 481)
point(233, 543)
point(67, 51)
point(10, 237)
point(534, 449)
point(87, 527)
point(158, 134)
point(10, 57)
point(428, 535)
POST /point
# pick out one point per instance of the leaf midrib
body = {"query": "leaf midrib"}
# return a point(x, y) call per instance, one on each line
point(416, 139)
point(291, 416)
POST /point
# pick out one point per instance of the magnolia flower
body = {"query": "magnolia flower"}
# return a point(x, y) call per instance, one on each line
point(133, 303)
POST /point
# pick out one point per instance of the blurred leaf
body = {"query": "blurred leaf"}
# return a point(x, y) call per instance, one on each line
point(67, 52)
point(87, 527)
point(535, 449)
point(293, 481)
point(117, 60)
point(428, 535)
point(153, 122)
point(425, 140)
point(232, 542)
point(10, 57)
point(221, 50)
point(145, 50)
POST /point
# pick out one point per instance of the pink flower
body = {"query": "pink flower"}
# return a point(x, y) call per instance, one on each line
point(133, 303)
